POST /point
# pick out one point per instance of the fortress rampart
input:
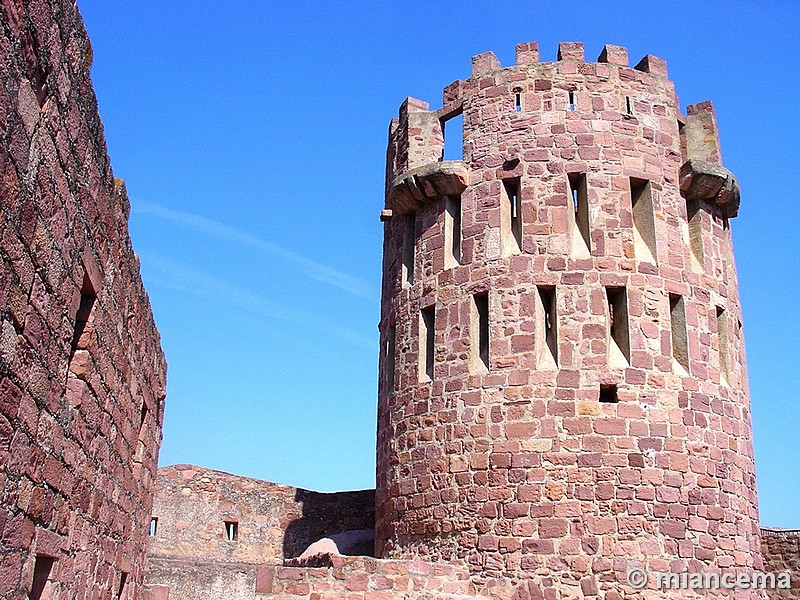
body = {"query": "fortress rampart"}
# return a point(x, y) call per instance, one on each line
point(82, 374)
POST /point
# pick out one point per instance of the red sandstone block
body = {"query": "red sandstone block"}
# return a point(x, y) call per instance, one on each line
point(265, 576)
point(527, 53)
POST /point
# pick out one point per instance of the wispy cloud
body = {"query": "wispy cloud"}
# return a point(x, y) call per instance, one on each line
point(200, 283)
point(309, 267)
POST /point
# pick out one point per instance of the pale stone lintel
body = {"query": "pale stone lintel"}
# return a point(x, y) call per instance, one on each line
point(416, 187)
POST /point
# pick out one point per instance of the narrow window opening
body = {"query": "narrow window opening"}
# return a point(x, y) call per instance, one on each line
point(581, 240)
point(141, 439)
point(511, 217)
point(123, 579)
point(427, 336)
point(518, 101)
point(628, 105)
point(571, 104)
point(480, 332)
point(453, 133)
point(231, 530)
point(453, 232)
point(644, 228)
point(548, 330)
point(83, 318)
point(390, 357)
point(722, 335)
point(680, 343)
point(409, 248)
point(694, 217)
point(153, 526)
point(42, 571)
point(619, 351)
point(608, 393)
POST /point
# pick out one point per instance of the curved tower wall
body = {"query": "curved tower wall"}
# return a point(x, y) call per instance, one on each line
point(608, 424)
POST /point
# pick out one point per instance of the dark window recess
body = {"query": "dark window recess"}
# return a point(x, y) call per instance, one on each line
point(644, 227)
point(83, 317)
point(481, 324)
point(409, 243)
point(548, 298)
point(42, 569)
point(571, 101)
point(677, 317)
point(514, 219)
point(428, 323)
point(453, 225)
point(453, 133)
point(123, 579)
point(608, 393)
point(628, 105)
point(722, 334)
point(517, 101)
point(618, 320)
point(580, 203)
point(231, 530)
point(153, 526)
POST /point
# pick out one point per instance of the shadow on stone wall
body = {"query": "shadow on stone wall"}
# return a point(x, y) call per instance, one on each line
point(324, 515)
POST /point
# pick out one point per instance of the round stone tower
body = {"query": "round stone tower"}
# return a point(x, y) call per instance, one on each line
point(563, 393)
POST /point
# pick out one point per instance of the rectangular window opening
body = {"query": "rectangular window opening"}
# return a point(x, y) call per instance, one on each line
point(549, 326)
point(571, 101)
point(453, 231)
point(480, 332)
point(231, 531)
point(581, 239)
point(618, 337)
point(608, 393)
point(123, 579)
point(680, 343)
point(390, 357)
point(427, 346)
point(83, 318)
point(453, 133)
point(153, 526)
point(694, 218)
point(644, 227)
point(511, 216)
point(42, 571)
point(518, 101)
point(722, 335)
point(409, 248)
point(628, 105)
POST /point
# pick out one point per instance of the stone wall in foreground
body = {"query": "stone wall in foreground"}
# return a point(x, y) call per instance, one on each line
point(82, 374)
point(780, 549)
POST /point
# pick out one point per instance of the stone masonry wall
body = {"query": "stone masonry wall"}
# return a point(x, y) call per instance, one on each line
point(581, 406)
point(82, 374)
point(272, 522)
point(781, 552)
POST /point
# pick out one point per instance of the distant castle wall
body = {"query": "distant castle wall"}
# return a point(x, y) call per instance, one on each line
point(82, 374)
point(781, 551)
point(206, 523)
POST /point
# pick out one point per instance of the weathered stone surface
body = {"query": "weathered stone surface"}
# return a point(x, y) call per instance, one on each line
point(702, 180)
point(580, 447)
point(82, 382)
point(427, 183)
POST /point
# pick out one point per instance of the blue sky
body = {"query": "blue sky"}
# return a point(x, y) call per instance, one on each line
point(252, 136)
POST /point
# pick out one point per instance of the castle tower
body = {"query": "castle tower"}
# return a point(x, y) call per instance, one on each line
point(563, 393)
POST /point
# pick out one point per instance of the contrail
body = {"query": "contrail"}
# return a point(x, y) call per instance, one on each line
point(314, 270)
